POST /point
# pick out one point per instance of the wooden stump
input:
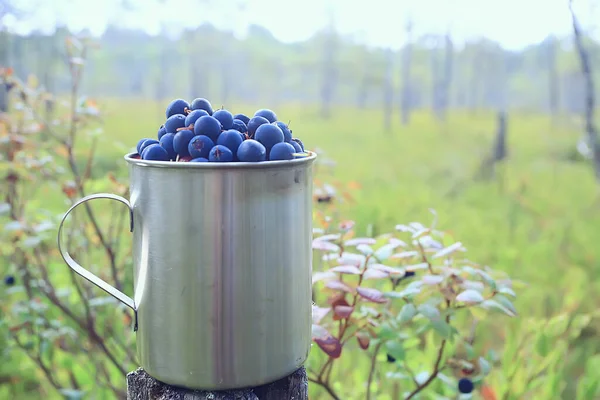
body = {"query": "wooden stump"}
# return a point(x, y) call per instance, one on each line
point(141, 386)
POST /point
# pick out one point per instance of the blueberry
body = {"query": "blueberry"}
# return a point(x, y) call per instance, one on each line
point(181, 141)
point(200, 146)
point(296, 146)
point(225, 118)
point(193, 116)
point(239, 125)
point(230, 139)
point(9, 280)
point(269, 135)
point(266, 113)
point(199, 159)
point(208, 126)
point(254, 123)
point(155, 152)
point(167, 143)
point(175, 122)
point(465, 385)
point(177, 106)
point(242, 118)
point(390, 359)
point(408, 274)
point(220, 153)
point(145, 144)
point(251, 151)
point(161, 131)
point(138, 147)
point(282, 151)
point(287, 134)
point(202, 104)
point(299, 143)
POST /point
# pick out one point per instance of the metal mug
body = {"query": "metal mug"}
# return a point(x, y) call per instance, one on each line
point(223, 264)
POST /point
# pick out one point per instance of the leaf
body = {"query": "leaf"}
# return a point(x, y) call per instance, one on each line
point(72, 394)
point(363, 340)
point(324, 246)
point(359, 241)
point(346, 269)
point(373, 273)
point(405, 254)
point(508, 291)
point(4, 208)
point(321, 276)
point(372, 295)
point(407, 312)
point(337, 285)
point(338, 299)
point(395, 349)
point(432, 279)
point(330, 345)
point(343, 312)
point(448, 250)
point(351, 258)
point(484, 366)
point(442, 328)
point(429, 311)
point(365, 249)
point(542, 345)
point(416, 267)
point(470, 296)
point(318, 313)
point(492, 304)
point(13, 226)
point(327, 238)
point(506, 303)
point(385, 251)
point(390, 270)
point(31, 241)
point(319, 332)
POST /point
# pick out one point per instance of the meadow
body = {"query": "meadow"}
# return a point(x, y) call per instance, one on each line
point(536, 218)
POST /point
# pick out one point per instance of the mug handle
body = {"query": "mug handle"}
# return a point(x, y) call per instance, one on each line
point(117, 294)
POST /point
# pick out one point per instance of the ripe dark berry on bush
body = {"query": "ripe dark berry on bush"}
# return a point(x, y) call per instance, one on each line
point(287, 134)
point(390, 359)
point(230, 139)
point(147, 143)
point(254, 123)
point(193, 117)
point(242, 118)
point(155, 152)
point(239, 126)
point(175, 122)
point(177, 106)
point(251, 151)
point(9, 280)
point(167, 143)
point(208, 126)
point(220, 153)
point(408, 274)
point(282, 151)
point(202, 104)
point(465, 385)
point(269, 135)
point(225, 118)
point(266, 113)
point(181, 141)
point(199, 146)
point(299, 142)
point(161, 131)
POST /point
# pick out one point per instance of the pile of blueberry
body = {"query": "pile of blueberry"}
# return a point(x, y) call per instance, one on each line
point(195, 133)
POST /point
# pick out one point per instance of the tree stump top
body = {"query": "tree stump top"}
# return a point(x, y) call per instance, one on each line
point(141, 386)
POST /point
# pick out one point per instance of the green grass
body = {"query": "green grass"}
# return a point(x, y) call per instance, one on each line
point(537, 218)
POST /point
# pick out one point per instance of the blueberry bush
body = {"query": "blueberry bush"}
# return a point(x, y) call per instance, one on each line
point(399, 314)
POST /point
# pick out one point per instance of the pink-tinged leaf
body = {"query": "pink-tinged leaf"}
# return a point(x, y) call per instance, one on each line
point(390, 270)
point(318, 313)
point(330, 345)
point(397, 242)
point(373, 273)
point(432, 279)
point(404, 228)
point(346, 269)
point(322, 276)
point(372, 295)
point(324, 246)
point(358, 241)
point(338, 299)
point(337, 285)
point(342, 312)
point(328, 238)
point(363, 340)
point(319, 332)
point(448, 250)
point(404, 254)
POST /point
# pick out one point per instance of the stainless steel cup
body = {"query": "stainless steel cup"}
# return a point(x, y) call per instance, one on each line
point(223, 265)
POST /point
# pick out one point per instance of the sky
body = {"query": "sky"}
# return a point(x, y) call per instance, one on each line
point(513, 23)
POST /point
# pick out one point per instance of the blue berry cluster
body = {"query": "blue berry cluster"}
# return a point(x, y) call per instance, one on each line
point(194, 132)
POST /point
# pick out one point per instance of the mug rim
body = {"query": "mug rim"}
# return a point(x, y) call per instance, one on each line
point(220, 165)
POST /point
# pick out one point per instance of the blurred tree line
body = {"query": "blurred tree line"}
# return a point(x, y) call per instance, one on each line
point(430, 71)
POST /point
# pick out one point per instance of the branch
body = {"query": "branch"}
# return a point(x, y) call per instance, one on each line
point(372, 369)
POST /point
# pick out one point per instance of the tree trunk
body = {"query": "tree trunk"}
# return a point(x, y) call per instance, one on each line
point(405, 97)
point(388, 90)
